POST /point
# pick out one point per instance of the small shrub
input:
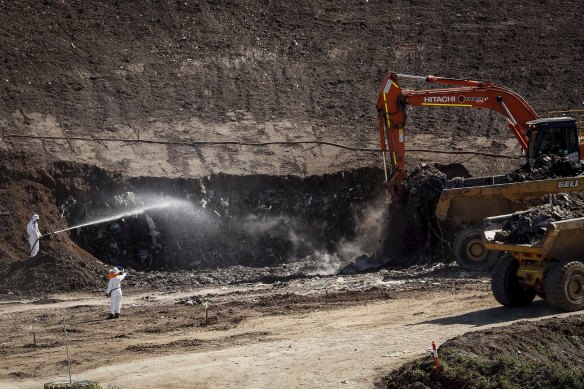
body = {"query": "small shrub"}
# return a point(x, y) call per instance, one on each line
point(575, 340)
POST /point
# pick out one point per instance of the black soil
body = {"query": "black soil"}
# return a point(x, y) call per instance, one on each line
point(412, 222)
point(546, 167)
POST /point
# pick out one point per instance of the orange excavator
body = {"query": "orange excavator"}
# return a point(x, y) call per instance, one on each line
point(536, 136)
point(461, 209)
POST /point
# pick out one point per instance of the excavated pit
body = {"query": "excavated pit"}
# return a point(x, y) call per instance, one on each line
point(222, 220)
point(334, 223)
point(149, 223)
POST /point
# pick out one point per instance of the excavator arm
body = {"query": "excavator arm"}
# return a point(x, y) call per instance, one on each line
point(393, 101)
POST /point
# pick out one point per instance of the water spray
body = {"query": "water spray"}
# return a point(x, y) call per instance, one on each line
point(134, 212)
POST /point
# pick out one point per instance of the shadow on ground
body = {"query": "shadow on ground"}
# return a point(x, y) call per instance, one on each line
point(538, 309)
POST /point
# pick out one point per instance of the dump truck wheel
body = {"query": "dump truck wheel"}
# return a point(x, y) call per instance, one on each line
point(470, 252)
point(505, 284)
point(564, 286)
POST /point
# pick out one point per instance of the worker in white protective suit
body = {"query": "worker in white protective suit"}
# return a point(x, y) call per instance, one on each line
point(114, 289)
point(34, 234)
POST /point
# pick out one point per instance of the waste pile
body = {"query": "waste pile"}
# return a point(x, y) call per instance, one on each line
point(546, 167)
point(530, 226)
point(413, 228)
point(225, 220)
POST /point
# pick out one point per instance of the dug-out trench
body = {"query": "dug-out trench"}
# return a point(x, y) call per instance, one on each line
point(223, 220)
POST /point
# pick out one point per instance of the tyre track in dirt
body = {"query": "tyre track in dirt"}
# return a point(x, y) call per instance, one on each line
point(348, 346)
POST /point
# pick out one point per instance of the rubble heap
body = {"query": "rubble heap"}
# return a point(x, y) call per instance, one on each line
point(546, 167)
point(413, 225)
point(530, 226)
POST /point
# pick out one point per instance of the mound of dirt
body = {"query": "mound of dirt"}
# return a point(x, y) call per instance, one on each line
point(544, 354)
point(27, 186)
point(50, 273)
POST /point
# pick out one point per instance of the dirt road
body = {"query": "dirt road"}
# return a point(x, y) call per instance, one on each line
point(321, 332)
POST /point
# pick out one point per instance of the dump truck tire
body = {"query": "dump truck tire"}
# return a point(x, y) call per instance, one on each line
point(505, 284)
point(470, 252)
point(564, 285)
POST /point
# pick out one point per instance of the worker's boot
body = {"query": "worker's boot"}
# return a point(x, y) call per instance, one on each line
point(116, 315)
point(111, 316)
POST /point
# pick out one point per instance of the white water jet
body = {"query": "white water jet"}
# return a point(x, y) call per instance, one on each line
point(161, 204)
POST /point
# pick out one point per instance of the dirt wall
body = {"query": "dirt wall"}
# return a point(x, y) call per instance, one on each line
point(260, 71)
point(226, 220)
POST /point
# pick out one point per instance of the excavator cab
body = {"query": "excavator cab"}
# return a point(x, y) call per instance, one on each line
point(553, 136)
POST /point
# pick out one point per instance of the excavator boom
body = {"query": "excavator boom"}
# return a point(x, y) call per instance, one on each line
point(393, 101)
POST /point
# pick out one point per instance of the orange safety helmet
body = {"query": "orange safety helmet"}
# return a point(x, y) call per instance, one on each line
point(113, 273)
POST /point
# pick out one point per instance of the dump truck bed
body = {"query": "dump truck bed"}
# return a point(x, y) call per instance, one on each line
point(563, 240)
point(484, 197)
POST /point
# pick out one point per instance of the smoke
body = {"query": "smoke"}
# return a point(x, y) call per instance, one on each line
point(160, 231)
point(324, 264)
point(371, 225)
point(280, 233)
point(371, 230)
point(255, 225)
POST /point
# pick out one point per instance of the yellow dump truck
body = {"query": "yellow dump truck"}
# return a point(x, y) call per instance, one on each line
point(462, 209)
point(551, 268)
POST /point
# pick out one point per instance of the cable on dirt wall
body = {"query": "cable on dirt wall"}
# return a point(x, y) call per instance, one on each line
point(250, 144)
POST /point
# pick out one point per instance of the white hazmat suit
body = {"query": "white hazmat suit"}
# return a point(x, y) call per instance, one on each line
point(114, 289)
point(34, 234)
